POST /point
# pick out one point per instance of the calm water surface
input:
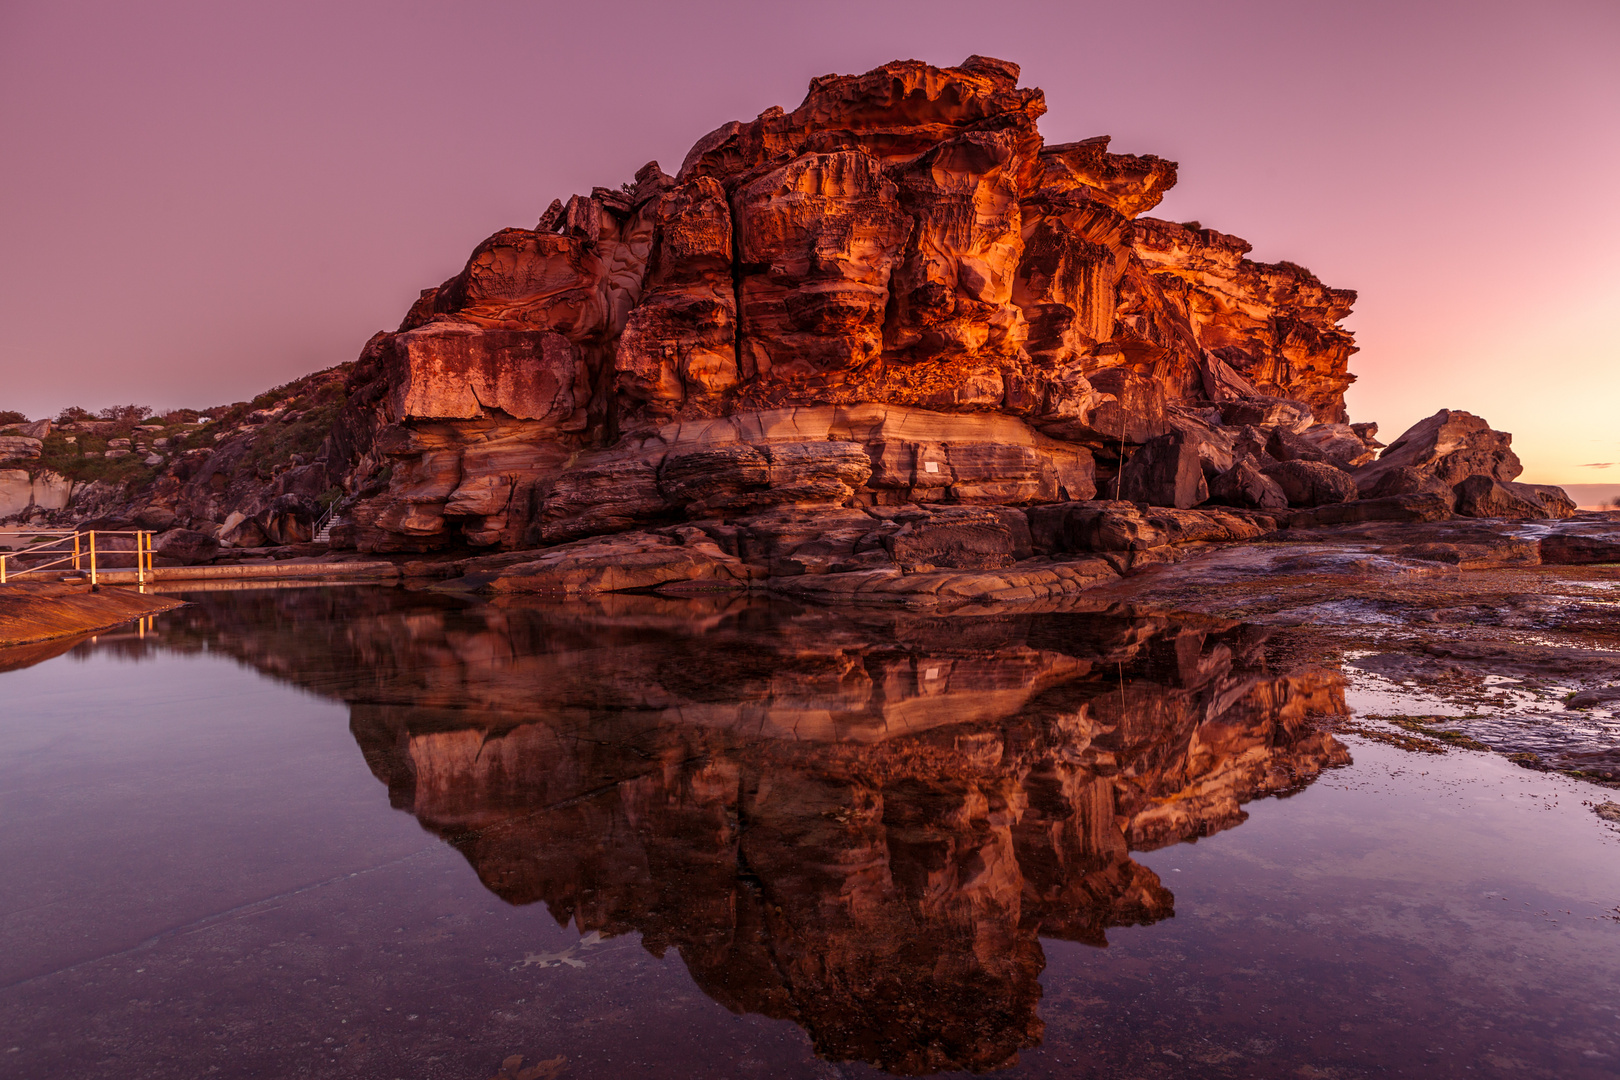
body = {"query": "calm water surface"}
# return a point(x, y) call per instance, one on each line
point(365, 832)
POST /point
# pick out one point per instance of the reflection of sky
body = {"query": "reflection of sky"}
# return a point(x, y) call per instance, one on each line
point(304, 170)
point(1400, 910)
point(139, 794)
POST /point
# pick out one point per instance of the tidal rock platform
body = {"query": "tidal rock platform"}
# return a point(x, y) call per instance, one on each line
point(31, 612)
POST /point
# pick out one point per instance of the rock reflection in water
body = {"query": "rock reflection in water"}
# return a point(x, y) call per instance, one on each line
point(860, 822)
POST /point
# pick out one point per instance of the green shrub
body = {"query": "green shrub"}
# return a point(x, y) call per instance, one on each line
point(133, 414)
point(278, 442)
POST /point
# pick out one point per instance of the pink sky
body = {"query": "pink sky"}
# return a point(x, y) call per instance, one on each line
point(200, 201)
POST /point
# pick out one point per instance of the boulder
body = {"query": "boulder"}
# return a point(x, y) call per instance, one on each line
point(1566, 549)
point(185, 547)
point(1216, 445)
point(1165, 471)
point(965, 538)
point(1286, 445)
point(1555, 500)
point(1119, 527)
point(19, 448)
point(1102, 525)
point(1208, 525)
point(289, 519)
point(1405, 480)
point(1485, 497)
point(157, 518)
point(241, 531)
point(1339, 445)
point(790, 540)
point(1245, 485)
point(1312, 483)
point(1450, 446)
point(1268, 414)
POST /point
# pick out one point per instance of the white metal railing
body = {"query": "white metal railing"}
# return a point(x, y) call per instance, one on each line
point(75, 548)
point(321, 531)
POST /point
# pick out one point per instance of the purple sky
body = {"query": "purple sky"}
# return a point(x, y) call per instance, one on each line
point(200, 201)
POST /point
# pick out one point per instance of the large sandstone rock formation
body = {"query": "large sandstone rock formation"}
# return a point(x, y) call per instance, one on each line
point(897, 292)
point(896, 296)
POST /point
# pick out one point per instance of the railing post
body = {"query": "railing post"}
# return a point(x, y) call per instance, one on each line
point(2, 569)
point(140, 557)
point(92, 557)
point(75, 549)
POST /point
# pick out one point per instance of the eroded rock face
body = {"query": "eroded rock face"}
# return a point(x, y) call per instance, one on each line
point(905, 241)
point(1405, 480)
point(1481, 496)
point(897, 294)
point(1554, 500)
point(1449, 446)
point(23, 491)
point(1245, 485)
point(18, 448)
point(821, 815)
point(1167, 471)
point(1312, 483)
point(1274, 324)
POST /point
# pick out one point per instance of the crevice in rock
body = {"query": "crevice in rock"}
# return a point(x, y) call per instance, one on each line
point(736, 289)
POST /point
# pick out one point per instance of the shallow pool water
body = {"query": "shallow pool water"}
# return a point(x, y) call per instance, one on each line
point(372, 833)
